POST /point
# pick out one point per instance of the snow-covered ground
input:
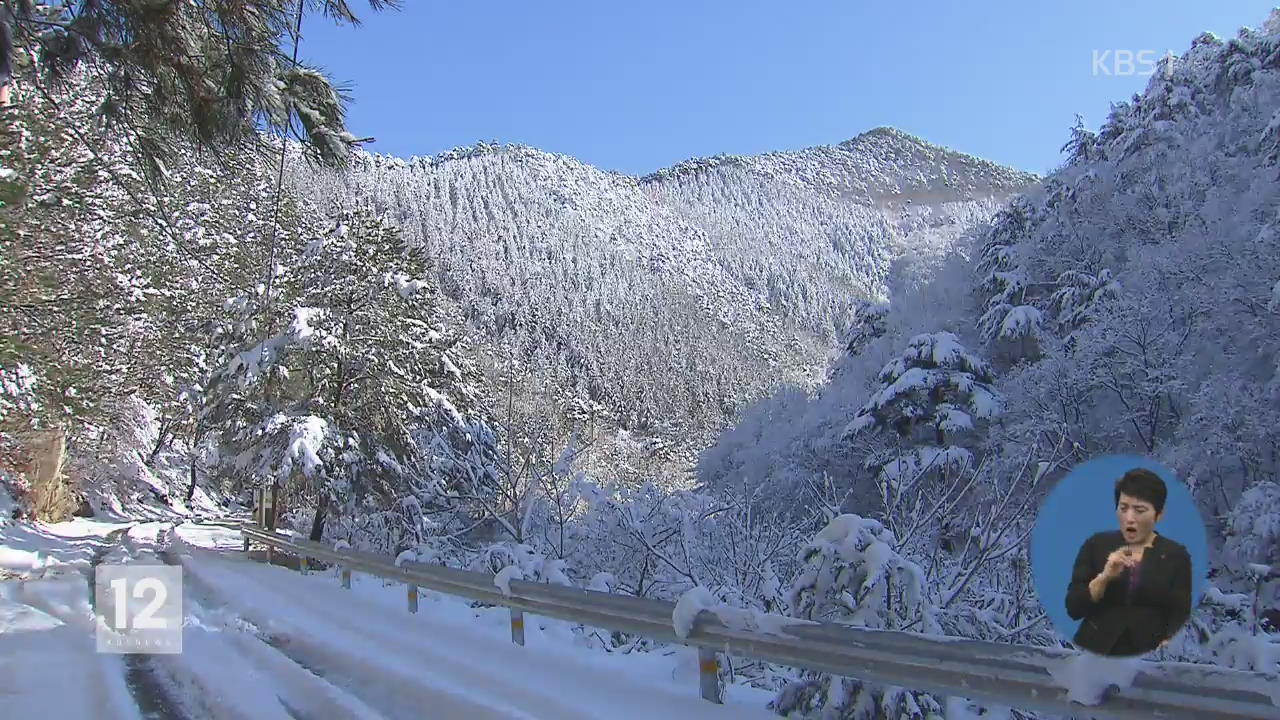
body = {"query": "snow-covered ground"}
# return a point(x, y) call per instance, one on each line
point(48, 664)
point(450, 657)
point(266, 642)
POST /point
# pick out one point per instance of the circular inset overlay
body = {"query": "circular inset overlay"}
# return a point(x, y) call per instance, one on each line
point(1078, 527)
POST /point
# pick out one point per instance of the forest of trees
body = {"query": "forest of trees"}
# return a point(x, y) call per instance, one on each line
point(710, 284)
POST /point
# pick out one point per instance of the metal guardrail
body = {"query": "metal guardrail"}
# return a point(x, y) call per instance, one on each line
point(1008, 675)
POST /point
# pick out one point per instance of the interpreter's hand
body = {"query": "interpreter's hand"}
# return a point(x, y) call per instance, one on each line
point(1117, 561)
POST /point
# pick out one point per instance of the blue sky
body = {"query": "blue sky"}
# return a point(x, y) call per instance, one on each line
point(637, 86)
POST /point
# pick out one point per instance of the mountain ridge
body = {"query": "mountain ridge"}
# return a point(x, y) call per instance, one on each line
point(879, 146)
point(865, 154)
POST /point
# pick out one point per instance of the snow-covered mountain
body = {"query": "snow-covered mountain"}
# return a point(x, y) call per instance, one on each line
point(674, 298)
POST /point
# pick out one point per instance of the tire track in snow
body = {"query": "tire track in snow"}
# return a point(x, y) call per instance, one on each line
point(392, 672)
point(301, 691)
point(152, 691)
point(416, 666)
point(59, 591)
point(228, 669)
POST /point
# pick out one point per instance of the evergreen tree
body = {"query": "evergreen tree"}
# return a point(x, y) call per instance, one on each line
point(71, 283)
point(850, 573)
point(1083, 146)
point(930, 398)
point(1010, 322)
point(869, 321)
point(328, 407)
point(205, 72)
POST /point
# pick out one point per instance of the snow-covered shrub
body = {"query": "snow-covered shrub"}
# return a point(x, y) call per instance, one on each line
point(852, 574)
point(1253, 530)
point(17, 391)
point(533, 566)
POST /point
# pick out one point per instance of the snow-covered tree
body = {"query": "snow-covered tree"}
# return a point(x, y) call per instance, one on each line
point(1008, 322)
point(930, 403)
point(934, 389)
point(68, 285)
point(1083, 145)
point(852, 574)
point(868, 322)
point(327, 406)
point(111, 284)
point(208, 74)
point(1253, 531)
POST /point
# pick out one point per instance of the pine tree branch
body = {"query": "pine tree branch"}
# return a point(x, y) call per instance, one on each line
point(115, 177)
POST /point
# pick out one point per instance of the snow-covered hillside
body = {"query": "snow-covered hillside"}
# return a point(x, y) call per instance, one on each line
point(674, 298)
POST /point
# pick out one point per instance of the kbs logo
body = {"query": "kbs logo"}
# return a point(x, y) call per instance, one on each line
point(1124, 63)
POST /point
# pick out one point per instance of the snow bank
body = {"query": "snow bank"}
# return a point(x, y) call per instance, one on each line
point(694, 601)
point(404, 557)
point(1088, 677)
point(756, 621)
point(20, 561)
point(602, 582)
point(17, 616)
point(505, 576)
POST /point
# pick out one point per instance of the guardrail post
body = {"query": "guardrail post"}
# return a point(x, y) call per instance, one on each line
point(346, 578)
point(709, 676)
point(413, 598)
point(517, 627)
point(269, 507)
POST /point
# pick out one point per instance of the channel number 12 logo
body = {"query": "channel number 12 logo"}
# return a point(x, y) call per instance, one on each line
point(138, 608)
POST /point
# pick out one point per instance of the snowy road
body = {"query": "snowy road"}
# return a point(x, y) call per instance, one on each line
point(48, 663)
point(266, 642)
point(443, 661)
